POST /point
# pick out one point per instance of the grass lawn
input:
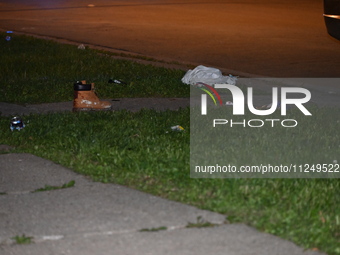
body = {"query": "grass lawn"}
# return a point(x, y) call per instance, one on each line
point(140, 150)
point(38, 71)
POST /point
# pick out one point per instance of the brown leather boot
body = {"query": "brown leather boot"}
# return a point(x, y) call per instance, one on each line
point(85, 98)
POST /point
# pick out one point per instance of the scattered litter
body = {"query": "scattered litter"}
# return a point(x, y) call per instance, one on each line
point(207, 75)
point(8, 37)
point(177, 128)
point(228, 103)
point(16, 123)
point(81, 47)
point(116, 81)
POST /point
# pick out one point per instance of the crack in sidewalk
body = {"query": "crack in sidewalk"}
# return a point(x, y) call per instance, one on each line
point(8, 241)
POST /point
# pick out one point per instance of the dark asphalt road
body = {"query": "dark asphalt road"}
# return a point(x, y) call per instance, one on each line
point(262, 37)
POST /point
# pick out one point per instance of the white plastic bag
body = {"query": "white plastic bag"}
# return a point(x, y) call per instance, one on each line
point(208, 75)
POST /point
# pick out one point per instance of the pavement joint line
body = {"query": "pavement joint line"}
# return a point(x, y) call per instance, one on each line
point(14, 193)
point(43, 238)
point(25, 192)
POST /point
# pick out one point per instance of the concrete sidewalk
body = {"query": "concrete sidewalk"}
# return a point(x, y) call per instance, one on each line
point(95, 218)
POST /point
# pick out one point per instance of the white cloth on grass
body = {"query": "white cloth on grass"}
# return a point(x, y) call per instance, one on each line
point(208, 75)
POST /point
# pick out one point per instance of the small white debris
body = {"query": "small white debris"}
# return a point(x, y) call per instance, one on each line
point(81, 47)
point(177, 128)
